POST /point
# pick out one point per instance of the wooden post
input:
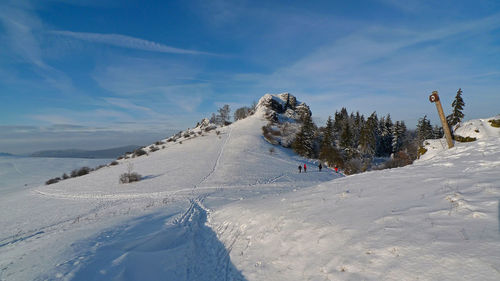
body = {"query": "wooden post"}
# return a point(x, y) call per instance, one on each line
point(435, 99)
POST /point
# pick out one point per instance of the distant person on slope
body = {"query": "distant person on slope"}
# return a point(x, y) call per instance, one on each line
point(300, 168)
point(336, 169)
point(320, 167)
point(305, 168)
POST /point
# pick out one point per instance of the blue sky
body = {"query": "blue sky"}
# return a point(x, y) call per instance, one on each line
point(96, 74)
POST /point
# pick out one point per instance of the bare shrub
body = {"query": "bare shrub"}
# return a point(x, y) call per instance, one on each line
point(114, 163)
point(495, 123)
point(464, 139)
point(129, 176)
point(153, 148)
point(268, 134)
point(51, 181)
point(140, 152)
point(80, 172)
point(353, 166)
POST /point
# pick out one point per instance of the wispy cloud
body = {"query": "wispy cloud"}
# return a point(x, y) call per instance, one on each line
point(159, 83)
point(367, 69)
point(125, 41)
point(22, 28)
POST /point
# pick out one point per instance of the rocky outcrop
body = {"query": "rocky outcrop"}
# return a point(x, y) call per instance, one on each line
point(283, 107)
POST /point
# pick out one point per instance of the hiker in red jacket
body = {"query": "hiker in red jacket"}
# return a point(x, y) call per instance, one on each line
point(305, 168)
point(336, 169)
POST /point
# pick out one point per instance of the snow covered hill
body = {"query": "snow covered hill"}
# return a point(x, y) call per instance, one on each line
point(219, 204)
point(44, 229)
point(472, 130)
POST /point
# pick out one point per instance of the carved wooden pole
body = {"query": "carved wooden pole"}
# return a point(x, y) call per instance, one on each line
point(435, 99)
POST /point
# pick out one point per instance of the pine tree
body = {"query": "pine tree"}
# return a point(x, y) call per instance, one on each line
point(328, 152)
point(327, 141)
point(338, 123)
point(458, 105)
point(437, 132)
point(398, 136)
point(384, 143)
point(368, 135)
point(304, 141)
point(346, 136)
point(424, 129)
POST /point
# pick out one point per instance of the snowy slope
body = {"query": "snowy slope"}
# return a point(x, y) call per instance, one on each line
point(479, 129)
point(434, 220)
point(221, 206)
point(42, 226)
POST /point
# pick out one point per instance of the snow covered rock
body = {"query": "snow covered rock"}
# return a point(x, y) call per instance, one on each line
point(282, 107)
point(285, 114)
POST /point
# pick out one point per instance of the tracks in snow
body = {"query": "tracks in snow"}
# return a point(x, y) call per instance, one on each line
point(216, 164)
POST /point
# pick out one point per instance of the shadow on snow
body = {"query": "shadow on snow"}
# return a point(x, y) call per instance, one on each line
point(155, 248)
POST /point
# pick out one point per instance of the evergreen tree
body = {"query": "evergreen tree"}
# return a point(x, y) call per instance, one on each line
point(398, 136)
point(304, 141)
point(338, 123)
point(327, 141)
point(424, 129)
point(328, 152)
point(437, 132)
point(458, 105)
point(357, 124)
point(384, 143)
point(346, 136)
point(368, 135)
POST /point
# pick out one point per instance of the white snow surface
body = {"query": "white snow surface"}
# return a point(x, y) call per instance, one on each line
point(478, 128)
point(222, 207)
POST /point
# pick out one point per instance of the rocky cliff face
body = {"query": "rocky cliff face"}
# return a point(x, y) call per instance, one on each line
point(283, 108)
point(285, 114)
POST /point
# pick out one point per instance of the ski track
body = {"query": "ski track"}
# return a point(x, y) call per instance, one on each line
point(52, 227)
point(221, 152)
